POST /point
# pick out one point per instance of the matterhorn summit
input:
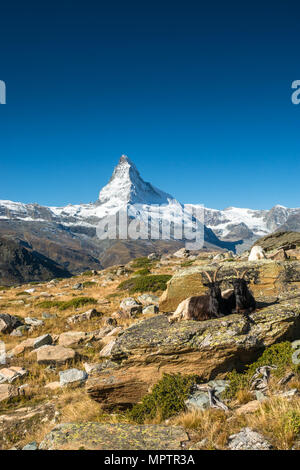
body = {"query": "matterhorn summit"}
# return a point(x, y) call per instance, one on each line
point(127, 187)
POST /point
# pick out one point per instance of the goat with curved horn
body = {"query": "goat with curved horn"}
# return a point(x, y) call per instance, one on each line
point(216, 272)
point(208, 276)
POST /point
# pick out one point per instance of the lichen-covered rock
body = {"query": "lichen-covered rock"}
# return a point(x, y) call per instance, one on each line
point(152, 347)
point(97, 436)
point(267, 278)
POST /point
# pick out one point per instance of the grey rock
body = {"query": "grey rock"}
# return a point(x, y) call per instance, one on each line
point(31, 446)
point(131, 306)
point(71, 376)
point(42, 341)
point(8, 323)
point(200, 399)
point(78, 286)
point(148, 299)
point(33, 321)
point(20, 330)
point(247, 439)
point(48, 316)
point(150, 309)
point(153, 256)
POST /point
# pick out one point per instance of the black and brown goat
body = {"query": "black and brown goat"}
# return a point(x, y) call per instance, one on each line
point(204, 307)
point(244, 300)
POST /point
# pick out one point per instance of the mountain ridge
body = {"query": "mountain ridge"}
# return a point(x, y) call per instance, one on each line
point(70, 231)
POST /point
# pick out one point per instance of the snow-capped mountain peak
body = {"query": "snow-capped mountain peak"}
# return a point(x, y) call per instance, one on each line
point(126, 186)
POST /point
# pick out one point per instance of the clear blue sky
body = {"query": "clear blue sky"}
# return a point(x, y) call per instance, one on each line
point(197, 94)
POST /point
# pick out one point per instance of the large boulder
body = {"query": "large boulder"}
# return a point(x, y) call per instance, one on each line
point(210, 348)
point(55, 355)
point(267, 278)
point(98, 436)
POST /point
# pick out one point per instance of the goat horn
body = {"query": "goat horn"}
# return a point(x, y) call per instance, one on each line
point(237, 273)
point(209, 278)
point(242, 276)
point(216, 272)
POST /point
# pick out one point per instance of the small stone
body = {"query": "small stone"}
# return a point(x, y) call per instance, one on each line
point(53, 385)
point(106, 351)
point(247, 439)
point(92, 313)
point(131, 306)
point(31, 446)
point(249, 407)
point(7, 392)
point(48, 316)
point(42, 341)
point(111, 321)
point(148, 299)
point(33, 321)
point(150, 309)
point(12, 373)
point(153, 256)
point(72, 338)
point(78, 286)
point(8, 323)
point(71, 376)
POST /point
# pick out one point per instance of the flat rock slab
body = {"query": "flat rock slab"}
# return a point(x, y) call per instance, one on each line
point(152, 347)
point(55, 355)
point(96, 436)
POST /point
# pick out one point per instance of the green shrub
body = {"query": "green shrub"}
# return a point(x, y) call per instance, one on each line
point(22, 293)
point(143, 262)
point(64, 305)
point(88, 284)
point(166, 399)
point(50, 303)
point(87, 273)
point(142, 272)
point(292, 421)
point(279, 355)
point(185, 264)
point(4, 288)
point(151, 283)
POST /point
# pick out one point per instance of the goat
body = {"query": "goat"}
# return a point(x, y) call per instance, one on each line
point(204, 307)
point(244, 300)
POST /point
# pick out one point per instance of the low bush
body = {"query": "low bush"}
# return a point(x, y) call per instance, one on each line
point(68, 304)
point(142, 272)
point(150, 283)
point(142, 262)
point(279, 355)
point(165, 400)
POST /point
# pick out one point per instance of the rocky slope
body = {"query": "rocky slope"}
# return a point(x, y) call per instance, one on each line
point(80, 352)
point(68, 234)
